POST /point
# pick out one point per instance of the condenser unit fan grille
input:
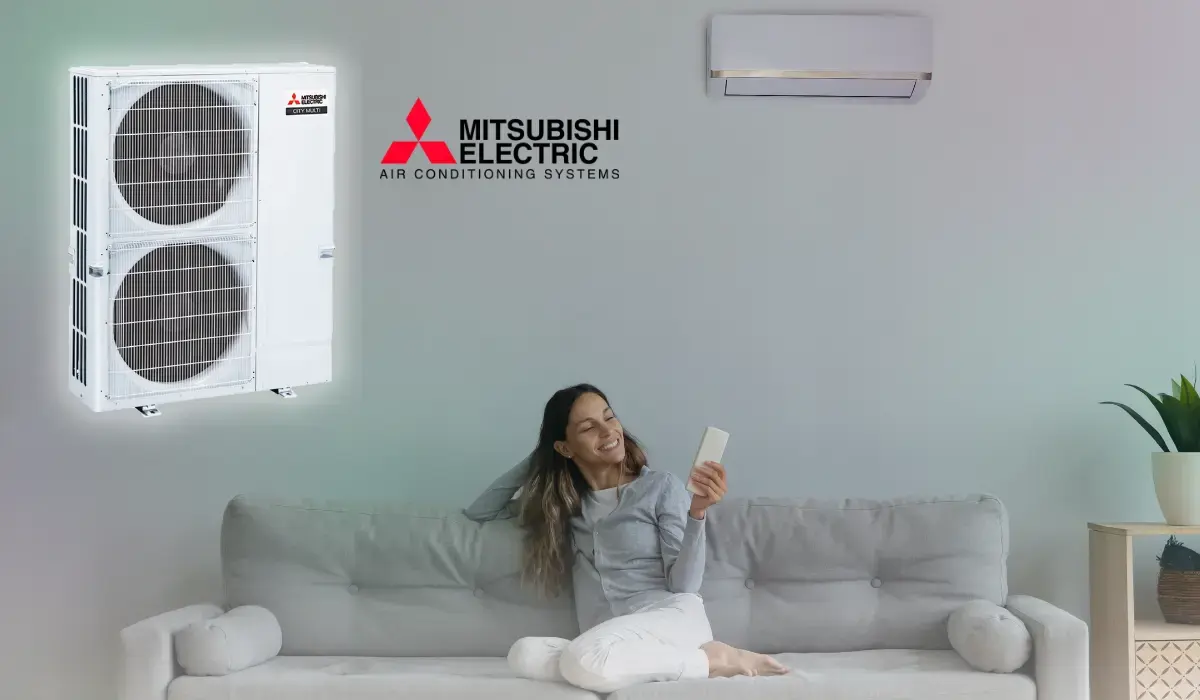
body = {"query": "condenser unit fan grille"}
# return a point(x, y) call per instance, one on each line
point(181, 317)
point(182, 153)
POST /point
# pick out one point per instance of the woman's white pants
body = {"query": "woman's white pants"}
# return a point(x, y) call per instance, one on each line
point(658, 643)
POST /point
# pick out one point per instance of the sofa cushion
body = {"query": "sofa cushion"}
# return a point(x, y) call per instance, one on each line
point(827, 576)
point(863, 675)
point(238, 639)
point(361, 579)
point(868, 675)
point(782, 575)
point(332, 678)
point(989, 637)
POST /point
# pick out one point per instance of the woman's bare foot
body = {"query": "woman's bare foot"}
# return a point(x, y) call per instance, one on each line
point(725, 661)
point(761, 664)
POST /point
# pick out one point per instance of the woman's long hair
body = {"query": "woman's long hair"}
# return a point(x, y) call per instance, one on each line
point(555, 491)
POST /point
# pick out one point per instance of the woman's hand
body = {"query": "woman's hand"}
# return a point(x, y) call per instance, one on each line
point(709, 482)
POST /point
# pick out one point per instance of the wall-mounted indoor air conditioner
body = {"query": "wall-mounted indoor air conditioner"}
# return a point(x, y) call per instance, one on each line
point(200, 232)
point(842, 56)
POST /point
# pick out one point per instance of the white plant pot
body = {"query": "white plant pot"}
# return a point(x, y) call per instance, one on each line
point(1177, 485)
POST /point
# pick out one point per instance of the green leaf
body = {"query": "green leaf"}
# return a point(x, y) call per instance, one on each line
point(1142, 422)
point(1177, 419)
point(1187, 392)
point(1176, 390)
point(1162, 413)
point(1187, 418)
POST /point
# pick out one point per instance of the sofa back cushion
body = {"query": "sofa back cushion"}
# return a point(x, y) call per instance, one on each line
point(824, 576)
point(347, 579)
point(782, 575)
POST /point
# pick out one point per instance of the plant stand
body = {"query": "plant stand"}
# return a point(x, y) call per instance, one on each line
point(1135, 659)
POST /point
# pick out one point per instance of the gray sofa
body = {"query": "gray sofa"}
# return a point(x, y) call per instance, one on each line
point(376, 602)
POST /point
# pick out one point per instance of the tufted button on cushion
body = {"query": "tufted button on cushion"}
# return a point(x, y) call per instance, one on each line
point(478, 592)
point(750, 583)
point(876, 583)
point(353, 588)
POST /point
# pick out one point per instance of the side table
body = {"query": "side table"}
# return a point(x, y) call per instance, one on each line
point(1135, 659)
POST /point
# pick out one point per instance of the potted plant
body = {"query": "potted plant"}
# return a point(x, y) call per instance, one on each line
point(1176, 473)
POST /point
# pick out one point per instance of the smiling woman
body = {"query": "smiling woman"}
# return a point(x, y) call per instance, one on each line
point(635, 542)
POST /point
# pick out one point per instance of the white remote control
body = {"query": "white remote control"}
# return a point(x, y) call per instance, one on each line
point(712, 449)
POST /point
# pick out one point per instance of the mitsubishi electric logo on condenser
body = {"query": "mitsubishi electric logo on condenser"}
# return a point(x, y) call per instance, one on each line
point(510, 148)
point(306, 104)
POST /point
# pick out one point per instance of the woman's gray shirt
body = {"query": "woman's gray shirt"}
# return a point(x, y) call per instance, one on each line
point(646, 549)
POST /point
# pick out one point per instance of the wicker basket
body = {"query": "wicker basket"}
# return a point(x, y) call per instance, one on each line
point(1179, 596)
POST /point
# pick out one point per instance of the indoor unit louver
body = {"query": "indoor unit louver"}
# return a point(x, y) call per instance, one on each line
point(211, 272)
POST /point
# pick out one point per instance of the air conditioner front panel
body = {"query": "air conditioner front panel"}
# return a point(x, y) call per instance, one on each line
point(184, 155)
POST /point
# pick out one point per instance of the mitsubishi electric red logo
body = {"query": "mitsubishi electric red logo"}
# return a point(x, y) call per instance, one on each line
point(513, 148)
point(438, 152)
point(293, 101)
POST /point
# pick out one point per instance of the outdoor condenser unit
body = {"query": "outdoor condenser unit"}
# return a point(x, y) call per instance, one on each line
point(201, 231)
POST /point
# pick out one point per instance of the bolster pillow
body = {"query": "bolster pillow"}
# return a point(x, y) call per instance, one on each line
point(989, 637)
point(243, 637)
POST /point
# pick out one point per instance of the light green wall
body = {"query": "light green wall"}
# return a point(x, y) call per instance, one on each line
point(910, 298)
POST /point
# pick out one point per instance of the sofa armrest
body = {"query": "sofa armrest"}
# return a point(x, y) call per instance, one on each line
point(1060, 648)
point(148, 651)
